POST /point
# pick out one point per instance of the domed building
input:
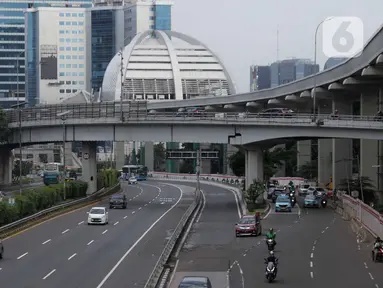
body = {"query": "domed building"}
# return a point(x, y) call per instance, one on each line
point(159, 65)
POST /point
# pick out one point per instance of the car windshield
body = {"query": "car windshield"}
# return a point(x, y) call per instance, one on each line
point(117, 197)
point(320, 189)
point(190, 282)
point(305, 186)
point(310, 197)
point(247, 220)
point(278, 192)
point(283, 199)
point(97, 211)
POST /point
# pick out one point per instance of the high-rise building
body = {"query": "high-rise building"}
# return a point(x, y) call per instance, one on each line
point(333, 61)
point(259, 77)
point(304, 68)
point(12, 45)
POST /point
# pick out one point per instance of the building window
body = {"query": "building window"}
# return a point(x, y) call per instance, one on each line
point(80, 31)
point(74, 14)
point(81, 48)
point(68, 40)
point(67, 23)
point(67, 48)
point(67, 73)
point(67, 14)
point(62, 74)
point(68, 66)
point(74, 48)
point(74, 73)
point(81, 40)
point(81, 66)
point(62, 48)
point(62, 32)
point(74, 90)
point(62, 91)
point(74, 57)
point(62, 66)
point(74, 31)
point(81, 82)
point(74, 23)
point(62, 57)
point(61, 23)
point(68, 82)
point(74, 82)
point(81, 57)
point(81, 74)
point(67, 57)
point(74, 40)
point(152, 8)
point(68, 91)
point(81, 15)
point(80, 23)
point(151, 18)
point(152, 27)
point(67, 32)
point(74, 65)
point(61, 14)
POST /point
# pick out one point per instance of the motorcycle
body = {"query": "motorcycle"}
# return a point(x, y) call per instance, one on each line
point(271, 271)
point(324, 203)
point(270, 244)
point(377, 254)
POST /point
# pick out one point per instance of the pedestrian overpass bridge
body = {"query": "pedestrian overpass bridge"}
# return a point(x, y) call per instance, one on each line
point(94, 122)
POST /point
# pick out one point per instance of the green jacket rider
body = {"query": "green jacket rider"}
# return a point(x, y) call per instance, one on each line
point(271, 234)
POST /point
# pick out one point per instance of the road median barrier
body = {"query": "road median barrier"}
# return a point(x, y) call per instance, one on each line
point(161, 264)
point(43, 215)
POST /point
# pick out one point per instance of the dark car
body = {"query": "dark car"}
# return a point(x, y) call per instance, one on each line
point(248, 225)
point(276, 112)
point(195, 282)
point(1, 249)
point(276, 193)
point(118, 201)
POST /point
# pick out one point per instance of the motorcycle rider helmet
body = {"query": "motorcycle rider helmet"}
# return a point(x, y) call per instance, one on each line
point(378, 239)
point(271, 230)
point(272, 253)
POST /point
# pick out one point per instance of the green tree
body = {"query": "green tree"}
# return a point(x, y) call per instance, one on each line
point(355, 184)
point(309, 170)
point(133, 157)
point(159, 152)
point(26, 168)
point(237, 163)
point(4, 130)
point(253, 192)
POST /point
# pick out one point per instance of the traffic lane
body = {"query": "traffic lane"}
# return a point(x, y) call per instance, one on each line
point(294, 244)
point(33, 237)
point(147, 252)
point(96, 261)
point(65, 246)
point(375, 269)
point(339, 240)
point(211, 243)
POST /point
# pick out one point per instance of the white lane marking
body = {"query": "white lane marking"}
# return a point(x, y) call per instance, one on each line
point(130, 199)
point(323, 231)
point(21, 256)
point(312, 274)
point(365, 265)
point(65, 231)
point(49, 274)
point(311, 264)
point(45, 242)
point(116, 223)
point(372, 278)
point(142, 236)
point(125, 217)
point(133, 212)
point(150, 201)
point(72, 256)
point(140, 208)
point(1, 269)
point(79, 223)
point(313, 248)
point(326, 227)
point(104, 231)
point(146, 205)
point(312, 255)
point(203, 206)
point(162, 203)
point(376, 286)
point(90, 242)
point(315, 242)
point(237, 203)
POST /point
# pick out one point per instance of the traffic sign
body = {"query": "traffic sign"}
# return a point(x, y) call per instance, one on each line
point(86, 156)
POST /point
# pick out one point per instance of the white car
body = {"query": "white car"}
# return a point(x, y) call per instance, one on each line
point(98, 215)
point(132, 180)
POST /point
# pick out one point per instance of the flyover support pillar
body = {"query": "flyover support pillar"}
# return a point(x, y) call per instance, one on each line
point(119, 154)
point(6, 166)
point(89, 165)
point(342, 159)
point(370, 150)
point(149, 156)
point(253, 165)
point(324, 152)
point(304, 152)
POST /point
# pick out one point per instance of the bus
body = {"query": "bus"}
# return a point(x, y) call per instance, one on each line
point(53, 173)
point(138, 171)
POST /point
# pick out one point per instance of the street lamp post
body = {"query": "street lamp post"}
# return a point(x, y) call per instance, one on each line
point(122, 80)
point(315, 64)
point(63, 118)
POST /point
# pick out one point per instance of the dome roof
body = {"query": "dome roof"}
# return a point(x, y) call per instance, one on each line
point(165, 65)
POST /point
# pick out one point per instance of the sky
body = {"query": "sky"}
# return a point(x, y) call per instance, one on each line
point(244, 32)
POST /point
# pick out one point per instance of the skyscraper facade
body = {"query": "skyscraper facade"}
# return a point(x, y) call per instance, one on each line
point(259, 77)
point(12, 44)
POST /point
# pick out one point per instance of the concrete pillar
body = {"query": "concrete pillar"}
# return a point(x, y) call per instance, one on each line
point(68, 154)
point(119, 152)
point(206, 166)
point(342, 148)
point(370, 149)
point(89, 165)
point(149, 156)
point(6, 166)
point(282, 170)
point(304, 152)
point(324, 150)
point(253, 165)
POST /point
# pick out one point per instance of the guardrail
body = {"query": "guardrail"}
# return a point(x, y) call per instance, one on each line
point(160, 265)
point(111, 111)
point(5, 230)
point(364, 214)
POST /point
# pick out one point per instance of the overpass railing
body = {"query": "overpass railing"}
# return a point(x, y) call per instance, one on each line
point(111, 113)
point(371, 219)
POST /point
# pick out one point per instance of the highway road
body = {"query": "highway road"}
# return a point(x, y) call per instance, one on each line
point(316, 248)
point(65, 252)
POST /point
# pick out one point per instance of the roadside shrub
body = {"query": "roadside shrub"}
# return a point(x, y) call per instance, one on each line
point(107, 178)
point(32, 201)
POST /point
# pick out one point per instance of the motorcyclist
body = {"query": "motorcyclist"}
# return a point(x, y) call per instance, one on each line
point(378, 243)
point(271, 234)
point(273, 259)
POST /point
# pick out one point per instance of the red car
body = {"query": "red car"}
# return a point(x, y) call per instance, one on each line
point(248, 225)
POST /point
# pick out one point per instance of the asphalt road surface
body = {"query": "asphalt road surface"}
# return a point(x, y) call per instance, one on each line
point(65, 252)
point(315, 247)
